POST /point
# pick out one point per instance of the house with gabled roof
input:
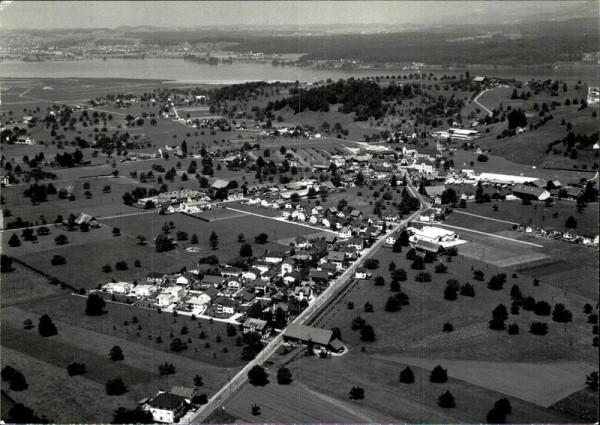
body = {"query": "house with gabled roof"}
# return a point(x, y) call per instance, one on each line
point(167, 408)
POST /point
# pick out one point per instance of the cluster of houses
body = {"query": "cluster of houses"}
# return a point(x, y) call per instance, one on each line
point(552, 233)
point(271, 279)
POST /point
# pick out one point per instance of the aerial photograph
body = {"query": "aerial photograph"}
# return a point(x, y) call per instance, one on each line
point(299, 212)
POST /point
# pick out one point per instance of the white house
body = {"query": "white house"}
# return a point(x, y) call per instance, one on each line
point(144, 290)
point(167, 408)
point(434, 235)
point(360, 273)
point(118, 287)
point(286, 267)
point(165, 299)
point(345, 232)
point(199, 300)
point(274, 257)
point(390, 240)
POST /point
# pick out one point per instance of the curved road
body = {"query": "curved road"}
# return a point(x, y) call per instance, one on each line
point(476, 100)
point(240, 378)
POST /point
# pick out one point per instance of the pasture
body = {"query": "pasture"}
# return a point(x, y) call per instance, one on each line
point(23, 284)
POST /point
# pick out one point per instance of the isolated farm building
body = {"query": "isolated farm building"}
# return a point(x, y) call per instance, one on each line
point(530, 192)
point(336, 346)
point(302, 334)
point(86, 218)
point(167, 408)
point(462, 134)
point(255, 325)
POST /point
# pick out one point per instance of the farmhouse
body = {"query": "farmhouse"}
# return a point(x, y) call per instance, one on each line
point(302, 334)
point(167, 408)
point(530, 192)
point(255, 325)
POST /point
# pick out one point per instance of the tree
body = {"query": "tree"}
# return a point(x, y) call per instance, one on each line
point(116, 353)
point(467, 290)
point(392, 304)
point(262, 238)
point(21, 414)
point(500, 312)
point(379, 281)
point(128, 198)
point(7, 373)
point(246, 250)
point(14, 241)
point(284, 376)
point(496, 282)
point(513, 329)
point(529, 303)
point(121, 265)
point(61, 239)
point(358, 322)
point(538, 328)
point(255, 409)
point(395, 286)
point(213, 240)
point(441, 268)
point(76, 369)
point(368, 307)
point(407, 376)
point(367, 333)
point(438, 375)
point(542, 308)
point(446, 400)
point(571, 223)
point(58, 260)
point(141, 239)
point(46, 327)
point(115, 387)
point(132, 416)
point(163, 243)
point(495, 417)
point(591, 381)
point(357, 393)
point(178, 345)
point(6, 264)
point(18, 382)
point(397, 247)
point(450, 293)
point(371, 263)
point(561, 314)
point(166, 369)
point(448, 327)
point(198, 382)
point(194, 239)
point(478, 275)
point(257, 376)
point(94, 305)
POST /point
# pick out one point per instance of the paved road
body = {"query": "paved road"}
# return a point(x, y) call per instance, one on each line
point(240, 378)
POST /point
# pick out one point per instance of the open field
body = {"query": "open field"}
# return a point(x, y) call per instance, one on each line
point(582, 404)
point(386, 399)
point(536, 215)
point(69, 310)
point(23, 284)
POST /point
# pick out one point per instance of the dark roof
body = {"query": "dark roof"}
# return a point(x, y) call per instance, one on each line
point(427, 246)
point(527, 190)
point(186, 392)
point(306, 333)
point(258, 324)
point(318, 274)
point(212, 279)
point(167, 401)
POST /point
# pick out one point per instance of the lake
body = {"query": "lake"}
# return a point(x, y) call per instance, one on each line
point(198, 73)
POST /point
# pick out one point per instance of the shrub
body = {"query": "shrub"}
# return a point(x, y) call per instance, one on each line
point(467, 290)
point(496, 282)
point(358, 322)
point(58, 260)
point(18, 382)
point(379, 281)
point(561, 314)
point(200, 399)
point(438, 375)
point(513, 329)
point(423, 277)
point(441, 268)
point(496, 324)
point(392, 304)
point(94, 305)
point(178, 345)
point(529, 304)
point(116, 354)
point(7, 373)
point(166, 369)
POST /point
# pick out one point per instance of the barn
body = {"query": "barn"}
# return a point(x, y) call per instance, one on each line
point(301, 334)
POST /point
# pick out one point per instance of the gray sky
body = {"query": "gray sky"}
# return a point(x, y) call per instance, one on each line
point(110, 14)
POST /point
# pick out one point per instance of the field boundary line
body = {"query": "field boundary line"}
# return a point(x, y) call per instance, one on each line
point(484, 217)
point(492, 235)
point(282, 220)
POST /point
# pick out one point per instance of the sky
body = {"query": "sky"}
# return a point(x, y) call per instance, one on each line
point(111, 14)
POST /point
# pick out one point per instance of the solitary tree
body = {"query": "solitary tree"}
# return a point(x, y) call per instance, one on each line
point(213, 240)
point(14, 241)
point(367, 333)
point(94, 305)
point(246, 250)
point(357, 393)
point(46, 327)
point(407, 376)
point(116, 353)
point(571, 223)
